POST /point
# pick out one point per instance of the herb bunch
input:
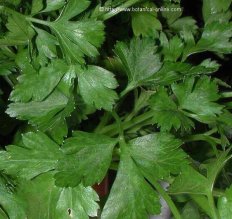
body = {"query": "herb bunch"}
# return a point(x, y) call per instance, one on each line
point(85, 91)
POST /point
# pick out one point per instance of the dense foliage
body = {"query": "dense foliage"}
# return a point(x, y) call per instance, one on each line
point(141, 93)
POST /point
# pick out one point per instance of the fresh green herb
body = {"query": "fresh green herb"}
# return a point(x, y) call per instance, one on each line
point(131, 87)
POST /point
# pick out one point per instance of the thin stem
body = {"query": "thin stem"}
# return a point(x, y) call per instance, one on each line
point(119, 123)
point(117, 10)
point(112, 129)
point(202, 202)
point(138, 126)
point(202, 137)
point(129, 88)
point(7, 79)
point(226, 95)
point(212, 205)
point(210, 132)
point(38, 21)
point(167, 198)
point(103, 122)
point(218, 193)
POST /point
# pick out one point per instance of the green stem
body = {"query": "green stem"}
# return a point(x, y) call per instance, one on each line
point(226, 95)
point(167, 198)
point(202, 202)
point(103, 122)
point(210, 132)
point(112, 129)
point(202, 137)
point(117, 10)
point(212, 205)
point(218, 193)
point(138, 126)
point(38, 21)
point(8, 80)
point(119, 123)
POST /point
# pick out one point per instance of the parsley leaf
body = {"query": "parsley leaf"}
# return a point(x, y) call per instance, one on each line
point(190, 181)
point(77, 38)
point(216, 37)
point(145, 23)
point(53, 5)
point(152, 152)
point(191, 97)
point(96, 84)
point(167, 113)
point(82, 150)
point(175, 71)
point(213, 7)
point(37, 155)
point(139, 59)
point(172, 49)
point(198, 97)
point(131, 196)
point(38, 86)
point(54, 202)
point(19, 32)
point(10, 203)
point(42, 113)
point(46, 45)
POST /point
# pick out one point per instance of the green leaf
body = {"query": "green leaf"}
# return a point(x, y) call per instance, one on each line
point(222, 17)
point(52, 5)
point(190, 181)
point(216, 37)
point(139, 59)
point(19, 32)
point(46, 45)
point(158, 154)
point(34, 110)
point(131, 196)
point(24, 62)
point(167, 113)
point(12, 206)
point(173, 49)
point(78, 38)
point(195, 96)
point(54, 202)
point(145, 23)
point(37, 155)
point(73, 8)
point(96, 87)
point(37, 6)
point(38, 86)
point(184, 23)
point(172, 12)
point(6, 64)
point(212, 7)
point(198, 97)
point(46, 114)
point(55, 124)
point(85, 150)
point(225, 204)
point(175, 71)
